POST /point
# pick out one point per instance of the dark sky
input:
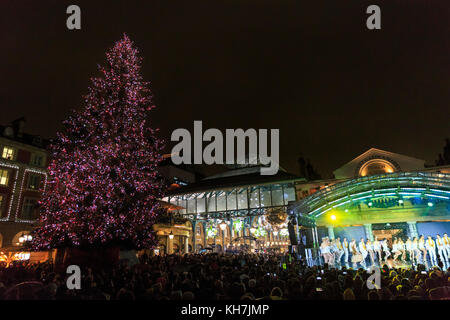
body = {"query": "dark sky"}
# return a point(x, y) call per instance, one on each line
point(309, 68)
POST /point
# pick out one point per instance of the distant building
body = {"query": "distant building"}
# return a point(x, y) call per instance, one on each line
point(23, 161)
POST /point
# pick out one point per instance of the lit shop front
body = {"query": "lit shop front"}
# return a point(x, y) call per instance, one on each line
point(245, 217)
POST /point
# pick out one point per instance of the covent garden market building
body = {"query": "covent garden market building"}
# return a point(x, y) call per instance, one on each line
point(378, 193)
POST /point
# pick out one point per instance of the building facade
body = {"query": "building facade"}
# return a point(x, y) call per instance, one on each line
point(23, 160)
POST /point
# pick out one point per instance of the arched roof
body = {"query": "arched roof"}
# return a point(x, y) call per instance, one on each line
point(430, 185)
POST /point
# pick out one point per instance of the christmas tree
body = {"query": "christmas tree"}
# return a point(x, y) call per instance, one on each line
point(103, 181)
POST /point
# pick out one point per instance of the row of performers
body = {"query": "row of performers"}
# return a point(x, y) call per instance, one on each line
point(416, 251)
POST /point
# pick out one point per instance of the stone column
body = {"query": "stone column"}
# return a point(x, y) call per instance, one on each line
point(186, 244)
point(368, 230)
point(413, 229)
point(231, 232)
point(331, 232)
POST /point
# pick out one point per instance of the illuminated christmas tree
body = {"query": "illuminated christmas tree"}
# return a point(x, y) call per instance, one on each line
point(103, 181)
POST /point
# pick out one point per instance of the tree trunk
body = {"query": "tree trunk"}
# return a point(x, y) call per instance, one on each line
point(96, 259)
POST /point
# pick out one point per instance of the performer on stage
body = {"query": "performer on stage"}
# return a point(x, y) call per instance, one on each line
point(423, 250)
point(431, 248)
point(356, 256)
point(377, 249)
point(386, 251)
point(446, 240)
point(416, 251)
point(333, 250)
point(363, 250)
point(369, 247)
point(395, 249)
point(410, 250)
point(345, 246)
point(325, 250)
point(441, 250)
point(339, 253)
point(401, 248)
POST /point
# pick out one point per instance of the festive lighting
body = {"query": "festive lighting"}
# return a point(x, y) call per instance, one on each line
point(103, 184)
point(430, 204)
point(333, 217)
point(223, 226)
point(171, 235)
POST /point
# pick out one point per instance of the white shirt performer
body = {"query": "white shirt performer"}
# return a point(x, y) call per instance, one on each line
point(423, 250)
point(415, 248)
point(377, 249)
point(363, 251)
point(340, 251)
point(441, 249)
point(369, 247)
point(345, 246)
point(431, 248)
point(446, 240)
point(410, 250)
point(386, 251)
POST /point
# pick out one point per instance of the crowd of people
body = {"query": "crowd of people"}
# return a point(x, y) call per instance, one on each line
point(366, 253)
point(222, 276)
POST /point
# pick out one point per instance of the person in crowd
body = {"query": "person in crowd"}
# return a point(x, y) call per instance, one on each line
point(431, 249)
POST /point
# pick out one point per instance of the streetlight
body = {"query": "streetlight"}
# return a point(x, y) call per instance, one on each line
point(171, 235)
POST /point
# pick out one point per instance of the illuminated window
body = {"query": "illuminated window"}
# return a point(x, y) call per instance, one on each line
point(29, 211)
point(33, 181)
point(4, 177)
point(8, 153)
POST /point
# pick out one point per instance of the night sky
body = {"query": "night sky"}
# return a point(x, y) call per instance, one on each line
point(310, 68)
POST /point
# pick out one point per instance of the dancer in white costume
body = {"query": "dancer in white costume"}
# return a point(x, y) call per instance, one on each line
point(340, 252)
point(377, 249)
point(431, 248)
point(369, 247)
point(325, 250)
point(356, 255)
point(416, 250)
point(410, 250)
point(363, 250)
point(446, 240)
point(401, 248)
point(386, 251)
point(441, 250)
point(345, 246)
point(395, 249)
point(423, 250)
